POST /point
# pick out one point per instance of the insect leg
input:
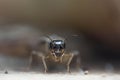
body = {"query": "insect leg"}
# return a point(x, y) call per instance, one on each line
point(44, 63)
point(61, 58)
point(68, 63)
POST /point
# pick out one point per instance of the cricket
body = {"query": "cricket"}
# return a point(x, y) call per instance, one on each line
point(52, 49)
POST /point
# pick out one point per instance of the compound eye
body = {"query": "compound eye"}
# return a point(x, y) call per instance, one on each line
point(51, 46)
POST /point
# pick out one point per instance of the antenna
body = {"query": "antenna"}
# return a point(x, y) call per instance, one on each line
point(49, 37)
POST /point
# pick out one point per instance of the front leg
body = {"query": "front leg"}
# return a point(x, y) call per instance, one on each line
point(69, 61)
point(44, 62)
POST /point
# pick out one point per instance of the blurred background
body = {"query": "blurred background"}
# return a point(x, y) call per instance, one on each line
point(90, 26)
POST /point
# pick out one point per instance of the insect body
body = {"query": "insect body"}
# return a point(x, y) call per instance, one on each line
point(52, 49)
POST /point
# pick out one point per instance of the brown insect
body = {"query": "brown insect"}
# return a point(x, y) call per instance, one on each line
point(52, 49)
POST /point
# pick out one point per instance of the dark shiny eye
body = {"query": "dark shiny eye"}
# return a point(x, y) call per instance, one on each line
point(51, 46)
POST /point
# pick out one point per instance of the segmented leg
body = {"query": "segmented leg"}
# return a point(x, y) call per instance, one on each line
point(68, 63)
point(44, 63)
point(61, 58)
point(31, 59)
